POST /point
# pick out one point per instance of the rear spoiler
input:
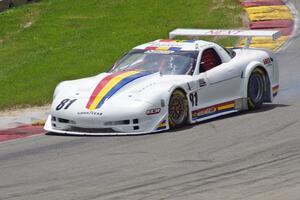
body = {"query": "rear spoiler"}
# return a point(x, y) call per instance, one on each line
point(275, 34)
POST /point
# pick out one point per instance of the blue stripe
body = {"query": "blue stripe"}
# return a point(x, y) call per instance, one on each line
point(214, 113)
point(190, 41)
point(174, 48)
point(162, 127)
point(122, 83)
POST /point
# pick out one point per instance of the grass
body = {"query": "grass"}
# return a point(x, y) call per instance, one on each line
point(44, 43)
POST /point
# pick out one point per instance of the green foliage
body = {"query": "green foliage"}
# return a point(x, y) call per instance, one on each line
point(44, 43)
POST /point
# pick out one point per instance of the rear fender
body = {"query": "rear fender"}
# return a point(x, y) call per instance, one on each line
point(246, 75)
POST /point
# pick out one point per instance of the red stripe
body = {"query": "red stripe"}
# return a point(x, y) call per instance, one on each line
point(151, 48)
point(202, 109)
point(166, 40)
point(20, 132)
point(285, 26)
point(101, 85)
point(248, 3)
point(281, 23)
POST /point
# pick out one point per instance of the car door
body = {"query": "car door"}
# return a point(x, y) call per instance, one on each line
point(219, 81)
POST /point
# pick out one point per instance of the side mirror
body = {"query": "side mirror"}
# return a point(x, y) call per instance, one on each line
point(201, 67)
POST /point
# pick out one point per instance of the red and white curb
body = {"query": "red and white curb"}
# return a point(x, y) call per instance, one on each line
point(271, 14)
point(21, 132)
point(22, 122)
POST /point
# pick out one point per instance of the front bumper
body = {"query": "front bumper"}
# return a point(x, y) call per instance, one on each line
point(119, 117)
point(116, 128)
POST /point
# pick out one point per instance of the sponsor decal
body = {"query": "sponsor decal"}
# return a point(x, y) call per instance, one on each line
point(213, 110)
point(267, 61)
point(275, 89)
point(110, 85)
point(223, 32)
point(159, 52)
point(90, 113)
point(163, 48)
point(162, 125)
point(153, 111)
point(146, 87)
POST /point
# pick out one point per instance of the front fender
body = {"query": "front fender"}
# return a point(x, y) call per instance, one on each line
point(159, 91)
point(60, 88)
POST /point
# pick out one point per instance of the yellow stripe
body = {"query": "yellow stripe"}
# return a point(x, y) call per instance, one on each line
point(260, 40)
point(270, 16)
point(114, 81)
point(162, 48)
point(266, 42)
point(267, 9)
point(259, 13)
point(226, 106)
point(163, 124)
point(268, 46)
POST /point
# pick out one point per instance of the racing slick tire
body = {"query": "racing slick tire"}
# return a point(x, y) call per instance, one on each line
point(178, 109)
point(257, 87)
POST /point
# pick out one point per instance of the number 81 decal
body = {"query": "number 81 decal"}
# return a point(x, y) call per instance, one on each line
point(194, 99)
point(66, 103)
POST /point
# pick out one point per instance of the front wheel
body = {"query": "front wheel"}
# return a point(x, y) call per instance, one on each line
point(256, 89)
point(178, 109)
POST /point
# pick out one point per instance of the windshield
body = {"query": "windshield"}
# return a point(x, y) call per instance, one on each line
point(165, 62)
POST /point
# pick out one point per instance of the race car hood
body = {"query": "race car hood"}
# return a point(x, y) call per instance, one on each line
point(115, 87)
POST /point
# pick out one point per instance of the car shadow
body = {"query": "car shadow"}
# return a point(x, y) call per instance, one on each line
point(99, 136)
point(267, 107)
point(264, 108)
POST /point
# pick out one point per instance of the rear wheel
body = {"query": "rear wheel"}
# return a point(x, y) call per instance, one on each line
point(256, 89)
point(178, 109)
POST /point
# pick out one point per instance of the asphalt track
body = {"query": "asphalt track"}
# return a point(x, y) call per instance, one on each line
point(249, 156)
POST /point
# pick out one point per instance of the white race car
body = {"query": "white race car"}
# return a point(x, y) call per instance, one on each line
point(165, 84)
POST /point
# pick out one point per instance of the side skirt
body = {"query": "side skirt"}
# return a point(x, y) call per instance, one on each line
point(218, 110)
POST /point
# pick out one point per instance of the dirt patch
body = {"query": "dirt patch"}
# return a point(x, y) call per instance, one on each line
point(28, 24)
point(16, 117)
point(217, 4)
point(245, 20)
point(32, 17)
point(29, 20)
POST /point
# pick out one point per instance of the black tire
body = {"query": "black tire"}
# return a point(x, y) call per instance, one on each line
point(178, 109)
point(256, 89)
